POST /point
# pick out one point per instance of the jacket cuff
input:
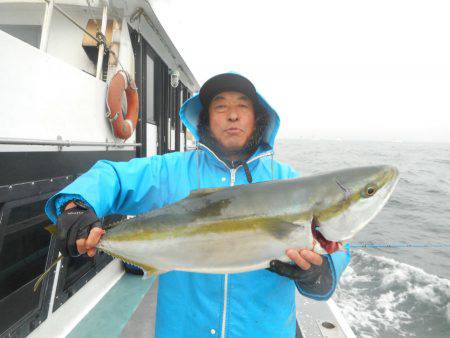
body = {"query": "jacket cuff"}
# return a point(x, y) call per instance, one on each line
point(320, 283)
point(53, 207)
point(327, 280)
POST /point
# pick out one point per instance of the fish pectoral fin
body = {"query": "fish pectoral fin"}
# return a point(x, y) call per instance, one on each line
point(282, 229)
point(204, 192)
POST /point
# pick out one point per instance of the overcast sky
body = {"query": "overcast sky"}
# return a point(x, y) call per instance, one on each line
point(366, 70)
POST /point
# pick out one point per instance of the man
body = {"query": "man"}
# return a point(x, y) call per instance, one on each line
point(236, 128)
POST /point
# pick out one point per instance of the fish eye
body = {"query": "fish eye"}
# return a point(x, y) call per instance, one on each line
point(369, 190)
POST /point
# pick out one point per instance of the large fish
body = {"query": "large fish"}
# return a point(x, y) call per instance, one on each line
point(243, 228)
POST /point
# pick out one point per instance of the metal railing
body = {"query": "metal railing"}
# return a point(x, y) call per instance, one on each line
point(65, 143)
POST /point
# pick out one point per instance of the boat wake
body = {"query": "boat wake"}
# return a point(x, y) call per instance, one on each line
point(381, 297)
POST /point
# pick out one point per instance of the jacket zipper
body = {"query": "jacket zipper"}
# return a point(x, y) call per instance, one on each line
point(225, 287)
point(233, 176)
point(232, 182)
point(214, 154)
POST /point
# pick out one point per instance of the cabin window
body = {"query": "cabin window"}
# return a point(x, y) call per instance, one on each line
point(23, 258)
point(26, 33)
point(24, 248)
point(23, 254)
point(22, 20)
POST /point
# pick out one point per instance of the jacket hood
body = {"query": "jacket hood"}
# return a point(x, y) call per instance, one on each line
point(190, 112)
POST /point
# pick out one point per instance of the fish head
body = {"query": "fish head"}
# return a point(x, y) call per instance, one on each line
point(358, 194)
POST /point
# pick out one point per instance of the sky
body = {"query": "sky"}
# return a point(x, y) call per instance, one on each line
point(351, 70)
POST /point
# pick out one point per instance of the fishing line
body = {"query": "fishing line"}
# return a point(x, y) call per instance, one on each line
point(398, 245)
point(363, 245)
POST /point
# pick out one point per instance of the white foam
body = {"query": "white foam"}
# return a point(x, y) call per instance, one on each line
point(380, 296)
point(448, 313)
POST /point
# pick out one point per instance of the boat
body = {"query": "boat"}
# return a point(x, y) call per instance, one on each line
point(57, 65)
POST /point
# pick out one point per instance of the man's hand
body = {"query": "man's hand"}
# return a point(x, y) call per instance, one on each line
point(304, 259)
point(79, 231)
point(312, 273)
point(88, 245)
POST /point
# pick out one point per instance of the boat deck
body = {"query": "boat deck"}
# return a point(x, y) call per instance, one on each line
point(128, 305)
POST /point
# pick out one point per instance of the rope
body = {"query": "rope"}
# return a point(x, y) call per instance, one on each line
point(59, 9)
point(100, 38)
point(92, 15)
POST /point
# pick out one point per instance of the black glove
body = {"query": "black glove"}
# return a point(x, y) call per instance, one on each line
point(73, 224)
point(317, 279)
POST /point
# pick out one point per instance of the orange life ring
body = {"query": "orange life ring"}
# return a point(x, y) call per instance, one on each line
point(123, 127)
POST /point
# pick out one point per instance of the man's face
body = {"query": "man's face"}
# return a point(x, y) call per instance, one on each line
point(231, 120)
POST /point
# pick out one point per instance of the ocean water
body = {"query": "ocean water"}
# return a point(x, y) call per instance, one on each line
point(390, 292)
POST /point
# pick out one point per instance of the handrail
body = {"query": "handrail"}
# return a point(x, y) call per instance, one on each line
point(65, 143)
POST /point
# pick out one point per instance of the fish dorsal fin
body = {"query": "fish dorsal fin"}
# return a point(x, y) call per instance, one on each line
point(204, 192)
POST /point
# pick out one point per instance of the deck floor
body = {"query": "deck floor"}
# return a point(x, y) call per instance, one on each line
point(142, 323)
point(128, 310)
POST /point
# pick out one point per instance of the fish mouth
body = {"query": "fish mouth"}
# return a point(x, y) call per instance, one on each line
point(328, 246)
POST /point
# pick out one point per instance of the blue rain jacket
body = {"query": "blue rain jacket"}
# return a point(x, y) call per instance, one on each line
point(252, 304)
